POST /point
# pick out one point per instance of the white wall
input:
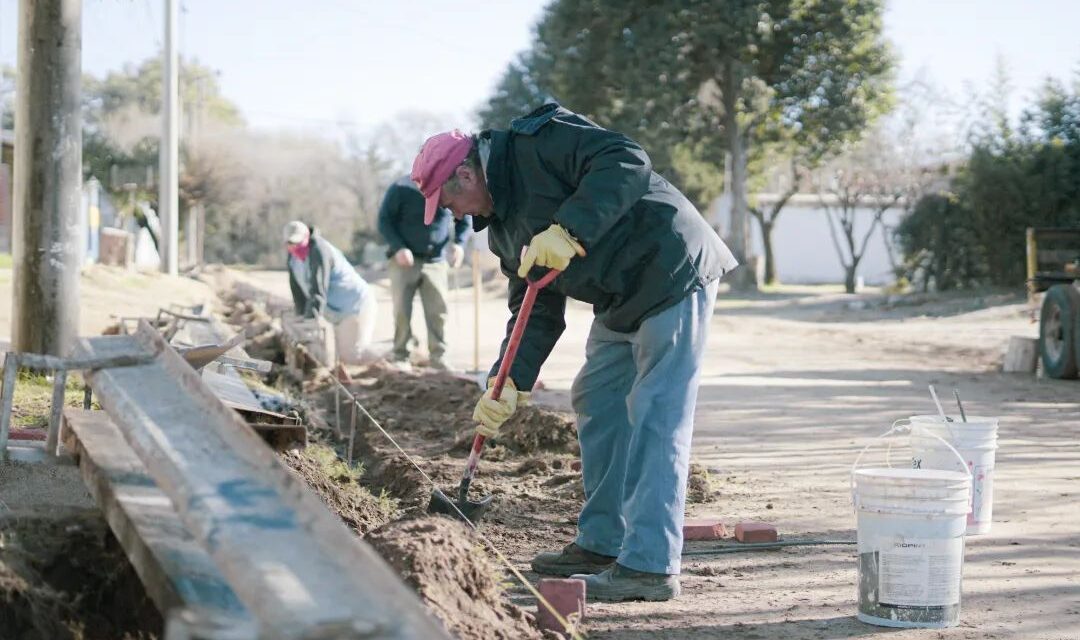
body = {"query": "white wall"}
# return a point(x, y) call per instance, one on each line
point(805, 254)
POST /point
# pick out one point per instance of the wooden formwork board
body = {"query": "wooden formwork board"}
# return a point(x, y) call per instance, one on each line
point(295, 566)
point(174, 569)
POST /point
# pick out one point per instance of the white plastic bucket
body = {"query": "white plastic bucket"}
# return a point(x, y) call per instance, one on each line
point(911, 544)
point(976, 442)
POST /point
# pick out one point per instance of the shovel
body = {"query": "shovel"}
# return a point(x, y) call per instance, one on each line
point(463, 508)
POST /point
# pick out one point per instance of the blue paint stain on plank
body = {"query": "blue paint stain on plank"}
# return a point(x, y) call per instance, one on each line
point(257, 504)
point(197, 581)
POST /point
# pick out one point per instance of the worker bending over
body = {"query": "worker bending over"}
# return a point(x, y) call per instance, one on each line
point(585, 201)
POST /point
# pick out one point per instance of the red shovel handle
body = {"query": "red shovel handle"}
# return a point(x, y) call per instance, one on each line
point(534, 287)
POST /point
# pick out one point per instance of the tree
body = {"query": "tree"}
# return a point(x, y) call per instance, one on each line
point(767, 217)
point(812, 73)
point(520, 90)
point(864, 178)
point(397, 140)
point(247, 183)
point(1017, 174)
point(938, 240)
point(140, 87)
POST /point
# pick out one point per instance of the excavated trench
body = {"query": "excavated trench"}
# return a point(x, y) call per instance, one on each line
point(531, 469)
point(65, 577)
point(384, 498)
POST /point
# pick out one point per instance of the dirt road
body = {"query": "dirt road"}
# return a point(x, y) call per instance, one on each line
point(794, 385)
point(108, 292)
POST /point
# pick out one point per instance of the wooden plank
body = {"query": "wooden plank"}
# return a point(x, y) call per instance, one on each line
point(174, 569)
point(52, 363)
point(295, 566)
point(202, 355)
point(281, 437)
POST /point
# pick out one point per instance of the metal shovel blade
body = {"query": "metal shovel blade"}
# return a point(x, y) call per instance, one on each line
point(462, 509)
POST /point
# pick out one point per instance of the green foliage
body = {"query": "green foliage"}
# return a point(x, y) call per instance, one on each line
point(1014, 179)
point(940, 244)
point(332, 466)
point(121, 113)
point(804, 74)
point(140, 87)
point(248, 184)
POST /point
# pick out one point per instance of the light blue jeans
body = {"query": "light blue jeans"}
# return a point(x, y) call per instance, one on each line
point(635, 400)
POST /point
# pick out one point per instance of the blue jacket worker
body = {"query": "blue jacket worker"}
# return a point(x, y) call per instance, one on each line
point(325, 285)
point(421, 257)
point(586, 201)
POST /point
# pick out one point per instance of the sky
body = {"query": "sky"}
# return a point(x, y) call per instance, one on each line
point(325, 65)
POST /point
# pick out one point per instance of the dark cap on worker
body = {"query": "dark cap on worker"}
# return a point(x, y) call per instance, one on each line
point(435, 164)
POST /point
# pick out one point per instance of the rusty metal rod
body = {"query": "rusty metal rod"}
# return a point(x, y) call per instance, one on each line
point(7, 396)
point(59, 387)
point(352, 431)
point(337, 409)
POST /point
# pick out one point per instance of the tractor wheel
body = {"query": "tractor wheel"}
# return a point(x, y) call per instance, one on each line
point(1058, 325)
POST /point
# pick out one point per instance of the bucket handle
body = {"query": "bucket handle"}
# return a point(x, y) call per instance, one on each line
point(903, 425)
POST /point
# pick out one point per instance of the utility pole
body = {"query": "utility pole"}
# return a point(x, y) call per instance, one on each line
point(169, 152)
point(47, 177)
point(193, 228)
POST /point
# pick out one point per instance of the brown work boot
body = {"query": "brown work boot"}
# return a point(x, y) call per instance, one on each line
point(618, 584)
point(572, 559)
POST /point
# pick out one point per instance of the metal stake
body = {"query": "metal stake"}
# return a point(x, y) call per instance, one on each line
point(352, 431)
point(960, 405)
point(7, 397)
point(476, 283)
point(337, 409)
point(53, 437)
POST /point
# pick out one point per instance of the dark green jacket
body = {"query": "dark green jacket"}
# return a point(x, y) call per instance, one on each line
point(401, 223)
point(648, 246)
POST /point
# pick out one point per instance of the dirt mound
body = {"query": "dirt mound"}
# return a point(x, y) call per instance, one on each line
point(699, 486)
point(536, 429)
point(66, 578)
point(338, 486)
point(444, 562)
point(439, 407)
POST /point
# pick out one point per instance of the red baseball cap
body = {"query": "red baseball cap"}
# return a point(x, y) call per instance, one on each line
point(436, 162)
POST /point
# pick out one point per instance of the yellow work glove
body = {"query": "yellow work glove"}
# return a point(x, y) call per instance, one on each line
point(490, 414)
point(552, 248)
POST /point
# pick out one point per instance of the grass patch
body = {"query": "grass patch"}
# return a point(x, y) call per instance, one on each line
point(33, 398)
point(388, 504)
point(332, 466)
point(337, 483)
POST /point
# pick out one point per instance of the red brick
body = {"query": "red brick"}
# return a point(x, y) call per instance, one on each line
point(703, 530)
point(755, 532)
point(27, 434)
point(566, 596)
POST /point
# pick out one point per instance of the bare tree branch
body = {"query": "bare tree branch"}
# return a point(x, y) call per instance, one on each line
point(832, 233)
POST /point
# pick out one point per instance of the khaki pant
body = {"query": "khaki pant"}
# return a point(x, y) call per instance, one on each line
point(353, 335)
point(431, 279)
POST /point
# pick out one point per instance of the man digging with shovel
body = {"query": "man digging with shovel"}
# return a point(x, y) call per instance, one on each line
point(585, 202)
